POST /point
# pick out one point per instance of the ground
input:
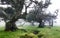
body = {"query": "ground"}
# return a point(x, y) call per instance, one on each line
point(31, 32)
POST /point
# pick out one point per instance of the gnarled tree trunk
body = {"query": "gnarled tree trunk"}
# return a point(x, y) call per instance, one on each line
point(18, 5)
point(10, 26)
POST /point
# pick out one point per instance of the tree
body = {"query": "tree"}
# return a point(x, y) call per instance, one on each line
point(52, 17)
point(12, 13)
point(39, 13)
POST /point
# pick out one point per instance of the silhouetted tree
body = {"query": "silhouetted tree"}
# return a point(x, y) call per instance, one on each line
point(39, 14)
point(12, 13)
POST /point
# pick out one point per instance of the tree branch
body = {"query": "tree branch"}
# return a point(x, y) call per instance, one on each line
point(6, 15)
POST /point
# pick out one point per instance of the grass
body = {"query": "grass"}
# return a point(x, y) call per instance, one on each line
point(46, 32)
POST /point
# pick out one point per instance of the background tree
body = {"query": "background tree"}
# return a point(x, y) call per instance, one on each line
point(39, 14)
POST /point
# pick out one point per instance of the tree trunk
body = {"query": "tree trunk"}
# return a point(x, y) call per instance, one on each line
point(51, 23)
point(32, 23)
point(41, 24)
point(10, 26)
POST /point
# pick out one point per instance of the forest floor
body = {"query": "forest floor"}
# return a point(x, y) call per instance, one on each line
point(31, 32)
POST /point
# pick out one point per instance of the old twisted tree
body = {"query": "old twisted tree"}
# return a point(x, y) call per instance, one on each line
point(12, 13)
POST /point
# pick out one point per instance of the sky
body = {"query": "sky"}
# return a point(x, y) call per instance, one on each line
point(55, 5)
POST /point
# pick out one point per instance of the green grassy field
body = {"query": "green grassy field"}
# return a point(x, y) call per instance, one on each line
point(31, 32)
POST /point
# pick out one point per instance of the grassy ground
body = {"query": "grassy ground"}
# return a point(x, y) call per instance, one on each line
point(32, 32)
